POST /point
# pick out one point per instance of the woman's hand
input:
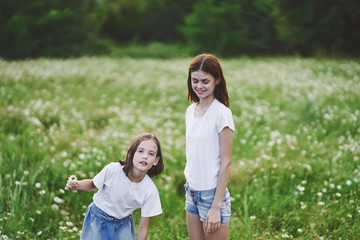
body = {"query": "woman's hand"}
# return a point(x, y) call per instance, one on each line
point(212, 223)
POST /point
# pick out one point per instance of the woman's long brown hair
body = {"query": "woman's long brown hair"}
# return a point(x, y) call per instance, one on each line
point(208, 63)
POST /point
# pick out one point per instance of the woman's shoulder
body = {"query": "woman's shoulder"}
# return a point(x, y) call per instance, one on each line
point(221, 108)
point(191, 106)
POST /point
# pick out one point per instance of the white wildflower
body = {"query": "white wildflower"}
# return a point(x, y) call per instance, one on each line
point(72, 178)
point(70, 224)
point(300, 188)
point(58, 200)
point(55, 207)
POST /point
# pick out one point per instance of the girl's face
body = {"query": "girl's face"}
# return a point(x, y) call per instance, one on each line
point(145, 156)
point(203, 84)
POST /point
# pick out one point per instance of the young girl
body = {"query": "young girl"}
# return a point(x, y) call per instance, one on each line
point(123, 187)
point(209, 139)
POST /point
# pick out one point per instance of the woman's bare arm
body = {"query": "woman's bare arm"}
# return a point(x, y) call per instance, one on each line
point(213, 218)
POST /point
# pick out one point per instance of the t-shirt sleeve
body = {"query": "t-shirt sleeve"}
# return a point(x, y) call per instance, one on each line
point(225, 119)
point(152, 205)
point(99, 179)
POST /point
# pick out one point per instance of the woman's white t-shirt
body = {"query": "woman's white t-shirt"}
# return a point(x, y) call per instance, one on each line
point(119, 197)
point(203, 144)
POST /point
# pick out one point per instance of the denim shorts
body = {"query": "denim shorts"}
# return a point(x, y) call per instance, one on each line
point(100, 226)
point(199, 203)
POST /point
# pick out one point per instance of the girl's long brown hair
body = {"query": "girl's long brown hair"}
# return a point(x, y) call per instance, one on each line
point(128, 162)
point(208, 63)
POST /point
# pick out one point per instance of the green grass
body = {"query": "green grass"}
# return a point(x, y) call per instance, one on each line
point(296, 155)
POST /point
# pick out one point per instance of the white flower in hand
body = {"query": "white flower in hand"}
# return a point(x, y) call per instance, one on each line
point(72, 183)
point(72, 178)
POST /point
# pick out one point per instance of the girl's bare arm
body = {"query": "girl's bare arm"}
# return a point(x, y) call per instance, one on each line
point(143, 228)
point(86, 185)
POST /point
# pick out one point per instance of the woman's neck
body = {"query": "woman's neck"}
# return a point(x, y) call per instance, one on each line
point(205, 103)
point(202, 107)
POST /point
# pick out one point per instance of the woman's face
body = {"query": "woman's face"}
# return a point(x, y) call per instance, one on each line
point(203, 84)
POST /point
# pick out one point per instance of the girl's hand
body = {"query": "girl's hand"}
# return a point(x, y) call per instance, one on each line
point(72, 185)
point(212, 223)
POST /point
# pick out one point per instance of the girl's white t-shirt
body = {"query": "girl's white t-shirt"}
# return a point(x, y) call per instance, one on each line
point(203, 144)
point(119, 197)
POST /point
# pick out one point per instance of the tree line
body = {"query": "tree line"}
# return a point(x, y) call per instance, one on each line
point(63, 28)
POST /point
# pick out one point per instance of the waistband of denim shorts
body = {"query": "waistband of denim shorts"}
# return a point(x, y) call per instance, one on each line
point(188, 188)
point(103, 215)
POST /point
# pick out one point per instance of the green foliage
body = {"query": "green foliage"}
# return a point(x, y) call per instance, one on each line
point(142, 21)
point(54, 28)
point(319, 27)
point(47, 28)
point(152, 50)
point(232, 28)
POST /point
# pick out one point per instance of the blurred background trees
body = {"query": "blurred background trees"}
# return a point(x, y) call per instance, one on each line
point(64, 28)
point(47, 27)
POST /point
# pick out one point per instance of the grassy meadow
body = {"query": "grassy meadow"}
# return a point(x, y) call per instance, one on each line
point(296, 155)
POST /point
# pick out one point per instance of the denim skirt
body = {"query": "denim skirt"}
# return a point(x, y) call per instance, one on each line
point(100, 226)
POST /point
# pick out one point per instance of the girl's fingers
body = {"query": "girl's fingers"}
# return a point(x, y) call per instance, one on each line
point(71, 185)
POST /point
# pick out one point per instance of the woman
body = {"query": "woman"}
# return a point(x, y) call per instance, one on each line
point(209, 138)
